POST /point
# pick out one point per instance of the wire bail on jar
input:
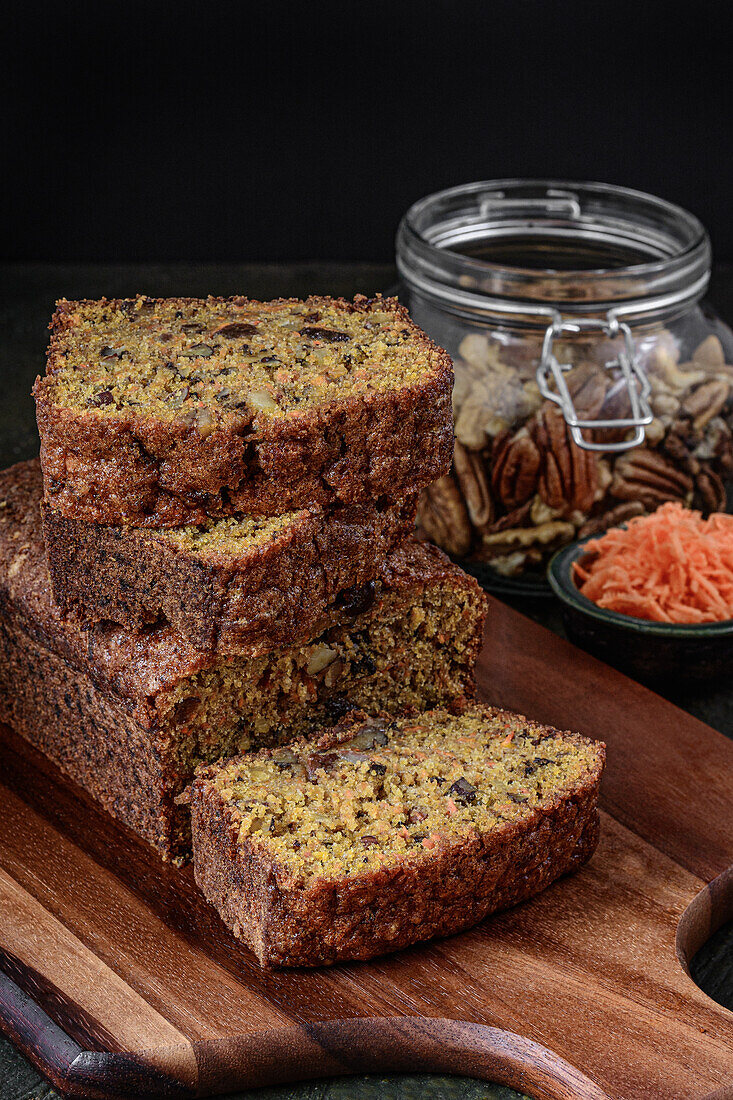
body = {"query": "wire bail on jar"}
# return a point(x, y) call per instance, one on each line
point(633, 380)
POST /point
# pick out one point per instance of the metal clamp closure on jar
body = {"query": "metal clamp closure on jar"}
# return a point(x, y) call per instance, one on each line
point(633, 380)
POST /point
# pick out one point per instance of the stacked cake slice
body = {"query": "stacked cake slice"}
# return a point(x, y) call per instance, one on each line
point(213, 610)
point(166, 413)
point(217, 555)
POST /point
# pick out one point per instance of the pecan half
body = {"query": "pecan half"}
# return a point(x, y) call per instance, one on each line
point(691, 451)
point(516, 463)
point(520, 517)
point(706, 402)
point(710, 493)
point(588, 388)
point(649, 477)
point(443, 516)
point(678, 446)
point(620, 514)
point(569, 477)
point(470, 470)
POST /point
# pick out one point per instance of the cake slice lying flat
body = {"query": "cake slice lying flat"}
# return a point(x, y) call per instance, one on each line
point(387, 831)
point(166, 412)
point(229, 584)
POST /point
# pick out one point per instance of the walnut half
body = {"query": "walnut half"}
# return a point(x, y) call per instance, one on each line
point(470, 471)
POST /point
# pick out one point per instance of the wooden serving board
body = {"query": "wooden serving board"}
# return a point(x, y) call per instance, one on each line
point(118, 980)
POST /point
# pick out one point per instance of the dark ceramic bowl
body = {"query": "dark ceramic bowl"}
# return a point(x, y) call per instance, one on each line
point(647, 651)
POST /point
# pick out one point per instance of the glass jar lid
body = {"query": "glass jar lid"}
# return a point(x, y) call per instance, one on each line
point(490, 247)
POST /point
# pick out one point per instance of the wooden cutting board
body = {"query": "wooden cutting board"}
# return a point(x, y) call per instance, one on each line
point(117, 979)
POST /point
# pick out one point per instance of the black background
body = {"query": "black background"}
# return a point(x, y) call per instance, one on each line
point(233, 131)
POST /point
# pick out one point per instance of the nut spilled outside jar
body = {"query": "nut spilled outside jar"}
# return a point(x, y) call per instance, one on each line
point(591, 384)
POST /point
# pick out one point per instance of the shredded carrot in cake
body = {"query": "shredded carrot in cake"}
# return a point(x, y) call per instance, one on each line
point(670, 567)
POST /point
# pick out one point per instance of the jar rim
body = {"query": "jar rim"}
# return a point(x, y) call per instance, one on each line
point(584, 213)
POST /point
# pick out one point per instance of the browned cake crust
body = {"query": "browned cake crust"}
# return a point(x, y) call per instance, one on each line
point(230, 595)
point(333, 919)
point(129, 714)
point(107, 465)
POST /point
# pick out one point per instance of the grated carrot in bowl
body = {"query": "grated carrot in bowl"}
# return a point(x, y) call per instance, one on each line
point(669, 567)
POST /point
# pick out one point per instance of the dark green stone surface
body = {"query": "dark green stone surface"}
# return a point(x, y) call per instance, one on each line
point(27, 296)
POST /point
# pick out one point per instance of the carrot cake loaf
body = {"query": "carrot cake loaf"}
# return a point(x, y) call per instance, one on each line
point(386, 832)
point(165, 412)
point(228, 584)
point(129, 714)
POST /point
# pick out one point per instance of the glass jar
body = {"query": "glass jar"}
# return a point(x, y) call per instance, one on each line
point(591, 383)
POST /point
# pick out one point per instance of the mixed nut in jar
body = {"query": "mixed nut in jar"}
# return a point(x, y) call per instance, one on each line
point(591, 383)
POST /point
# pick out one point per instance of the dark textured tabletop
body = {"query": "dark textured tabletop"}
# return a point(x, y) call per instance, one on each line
point(27, 296)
